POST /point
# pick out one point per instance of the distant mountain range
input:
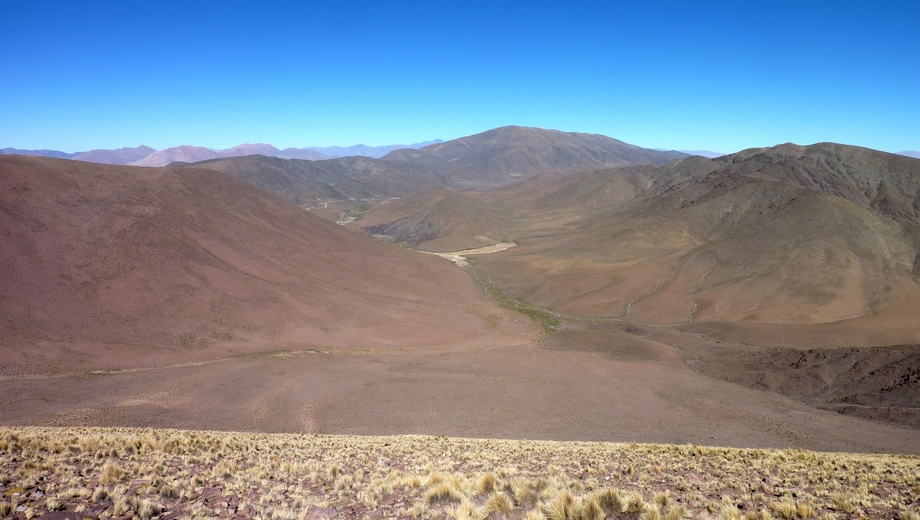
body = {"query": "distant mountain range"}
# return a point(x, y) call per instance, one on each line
point(44, 153)
point(360, 150)
point(704, 153)
point(493, 158)
point(190, 154)
point(513, 153)
point(147, 156)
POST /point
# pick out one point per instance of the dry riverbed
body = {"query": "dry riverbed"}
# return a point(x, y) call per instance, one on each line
point(459, 257)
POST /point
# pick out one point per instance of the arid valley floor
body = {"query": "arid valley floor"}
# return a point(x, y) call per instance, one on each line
point(665, 337)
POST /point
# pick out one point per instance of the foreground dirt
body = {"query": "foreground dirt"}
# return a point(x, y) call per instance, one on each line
point(167, 474)
point(640, 390)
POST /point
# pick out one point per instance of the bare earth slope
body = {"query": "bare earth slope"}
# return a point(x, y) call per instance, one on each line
point(793, 235)
point(885, 182)
point(436, 219)
point(750, 238)
point(116, 266)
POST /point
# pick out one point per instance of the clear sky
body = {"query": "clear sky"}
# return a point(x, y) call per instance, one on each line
point(719, 76)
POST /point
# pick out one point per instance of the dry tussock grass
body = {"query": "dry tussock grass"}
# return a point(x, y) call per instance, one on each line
point(109, 473)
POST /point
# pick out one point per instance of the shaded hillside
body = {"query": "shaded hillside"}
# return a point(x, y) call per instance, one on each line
point(545, 201)
point(308, 182)
point(440, 220)
point(881, 383)
point(498, 157)
point(885, 182)
point(600, 189)
point(508, 154)
point(112, 266)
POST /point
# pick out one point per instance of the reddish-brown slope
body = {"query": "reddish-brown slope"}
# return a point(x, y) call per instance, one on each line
point(113, 266)
point(791, 235)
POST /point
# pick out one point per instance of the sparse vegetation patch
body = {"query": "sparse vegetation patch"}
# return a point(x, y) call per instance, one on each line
point(121, 473)
point(354, 213)
point(546, 319)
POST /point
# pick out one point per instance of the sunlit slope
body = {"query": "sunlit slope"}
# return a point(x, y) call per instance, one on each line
point(754, 238)
point(122, 266)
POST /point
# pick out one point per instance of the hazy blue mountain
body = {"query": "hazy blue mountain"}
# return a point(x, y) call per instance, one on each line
point(184, 153)
point(44, 153)
point(147, 156)
point(909, 153)
point(302, 153)
point(365, 151)
point(119, 156)
point(190, 154)
point(704, 153)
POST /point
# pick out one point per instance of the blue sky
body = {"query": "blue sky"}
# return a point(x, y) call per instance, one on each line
point(721, 76)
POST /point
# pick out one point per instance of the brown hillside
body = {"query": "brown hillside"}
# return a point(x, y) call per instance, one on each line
point(888, 183)
point(505, 155)
point(332, 188)
point(787, 235)
point(440, 220)
point(305, 183)
point(123, 266)
point(761, 253)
